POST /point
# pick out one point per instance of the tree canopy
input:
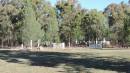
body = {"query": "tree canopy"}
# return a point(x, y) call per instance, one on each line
point(25, 20)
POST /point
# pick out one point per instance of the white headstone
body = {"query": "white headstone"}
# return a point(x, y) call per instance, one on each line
point(63, 45)
point(21, 46)
point(104, 40)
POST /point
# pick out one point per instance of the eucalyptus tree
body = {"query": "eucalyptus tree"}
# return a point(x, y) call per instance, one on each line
point(10, 23)
point(77, 31)
point(116, 16)
point(69, 17)
point(94, 24)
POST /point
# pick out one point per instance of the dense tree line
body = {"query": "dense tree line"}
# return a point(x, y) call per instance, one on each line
point(25, 20)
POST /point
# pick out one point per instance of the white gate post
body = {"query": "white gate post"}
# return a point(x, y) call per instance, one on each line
point(38, 43)
point(31, 44)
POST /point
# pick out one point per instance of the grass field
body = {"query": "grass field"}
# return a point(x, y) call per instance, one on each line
point(65, 61)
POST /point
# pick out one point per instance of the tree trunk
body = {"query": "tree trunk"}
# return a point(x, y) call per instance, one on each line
point(2, 43)
point(69, 42)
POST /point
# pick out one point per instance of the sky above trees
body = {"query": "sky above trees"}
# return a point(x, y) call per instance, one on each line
point(94, 4)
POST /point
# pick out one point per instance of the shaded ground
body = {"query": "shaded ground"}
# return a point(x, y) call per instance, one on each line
point(65, 61)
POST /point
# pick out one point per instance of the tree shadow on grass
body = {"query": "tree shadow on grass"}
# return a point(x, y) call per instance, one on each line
point(53, 59)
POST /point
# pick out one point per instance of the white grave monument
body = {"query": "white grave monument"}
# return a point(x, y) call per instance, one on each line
point(58, 45)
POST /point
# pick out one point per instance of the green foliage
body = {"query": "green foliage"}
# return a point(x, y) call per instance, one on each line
point(94, 24)
point(10, 23)
point(25, 20)
point(31, 27)
point(77, 30)
point(69, 17)
point(126, 31)
point(116, 15)
point(46, 16)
